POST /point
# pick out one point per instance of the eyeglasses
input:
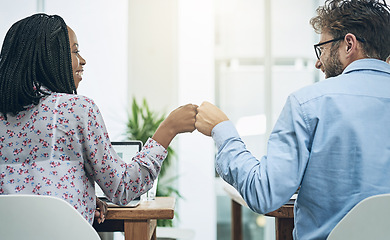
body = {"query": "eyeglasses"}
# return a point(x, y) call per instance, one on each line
point(317, 48)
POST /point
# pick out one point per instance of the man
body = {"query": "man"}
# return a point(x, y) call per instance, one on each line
point(332, 139)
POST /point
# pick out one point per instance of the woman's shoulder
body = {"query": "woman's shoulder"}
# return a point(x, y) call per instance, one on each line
point(66, 99)
point(69, 103)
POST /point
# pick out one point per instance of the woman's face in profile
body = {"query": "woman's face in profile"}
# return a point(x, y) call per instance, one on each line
point(77, 61)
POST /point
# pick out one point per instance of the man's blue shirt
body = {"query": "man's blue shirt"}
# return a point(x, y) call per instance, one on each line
point(332, 139)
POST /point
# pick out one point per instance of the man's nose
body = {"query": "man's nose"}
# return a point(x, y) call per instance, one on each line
point(318, 64)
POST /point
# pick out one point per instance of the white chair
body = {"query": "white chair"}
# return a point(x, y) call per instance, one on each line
point(369, 219)
point(36, 217)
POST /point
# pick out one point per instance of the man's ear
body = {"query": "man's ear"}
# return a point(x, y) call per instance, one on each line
point(352, 50)
point(350, 42)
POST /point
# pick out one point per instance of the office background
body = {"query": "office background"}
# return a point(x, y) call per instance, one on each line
point(244, 55)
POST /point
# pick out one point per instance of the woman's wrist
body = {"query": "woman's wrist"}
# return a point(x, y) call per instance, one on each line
point(164, 134)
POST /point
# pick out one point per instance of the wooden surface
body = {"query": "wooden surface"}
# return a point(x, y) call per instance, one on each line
point(236, 214)
point(138, 223)
point(286, 211)
point(160, 208)
point(284, 217)
point(284, 222)
point(236, 230)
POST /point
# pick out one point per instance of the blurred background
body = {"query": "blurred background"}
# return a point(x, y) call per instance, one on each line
point(245, 56)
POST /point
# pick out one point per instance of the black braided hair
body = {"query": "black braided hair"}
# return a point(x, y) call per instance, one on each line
point(35, 53)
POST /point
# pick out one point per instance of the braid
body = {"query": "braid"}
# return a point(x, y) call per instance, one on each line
point(35, 53)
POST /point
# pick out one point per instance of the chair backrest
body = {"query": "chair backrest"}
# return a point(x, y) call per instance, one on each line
point(36, 217)
point(369, 219)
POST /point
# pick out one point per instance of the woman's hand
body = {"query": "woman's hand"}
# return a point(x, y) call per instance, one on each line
point(101, 210)
point(180, 120)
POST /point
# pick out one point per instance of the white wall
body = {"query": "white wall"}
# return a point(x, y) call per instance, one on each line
point(171, 63)
point(152, 52)
point(101, 30)
point(10, 13)
point(240, 28)
point(196, 84)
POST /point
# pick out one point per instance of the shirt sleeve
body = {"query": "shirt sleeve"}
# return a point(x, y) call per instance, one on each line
point(268, 183)
point(121, 182)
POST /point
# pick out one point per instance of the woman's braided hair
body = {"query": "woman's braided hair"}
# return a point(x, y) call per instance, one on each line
point(35, 53)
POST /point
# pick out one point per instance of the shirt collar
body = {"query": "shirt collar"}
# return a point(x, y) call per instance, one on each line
point(368, 64)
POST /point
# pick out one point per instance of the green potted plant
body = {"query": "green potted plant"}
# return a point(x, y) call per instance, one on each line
point(141, 124)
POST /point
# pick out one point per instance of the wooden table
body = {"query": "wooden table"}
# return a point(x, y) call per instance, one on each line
point(284, 222)
point(138, 223)
point(284, 217)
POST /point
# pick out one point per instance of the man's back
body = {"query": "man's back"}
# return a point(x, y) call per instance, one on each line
point(348, 120)
point(332, 138)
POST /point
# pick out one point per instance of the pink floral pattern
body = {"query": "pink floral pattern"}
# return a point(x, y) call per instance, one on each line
point(60, 147)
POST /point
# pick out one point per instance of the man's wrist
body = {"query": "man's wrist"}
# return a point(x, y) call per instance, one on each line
point(223, 131)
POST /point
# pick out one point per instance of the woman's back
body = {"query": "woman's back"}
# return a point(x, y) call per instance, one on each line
point(43, 150)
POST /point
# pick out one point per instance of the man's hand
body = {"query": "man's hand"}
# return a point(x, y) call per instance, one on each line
point(208, 116)
point(100, 211)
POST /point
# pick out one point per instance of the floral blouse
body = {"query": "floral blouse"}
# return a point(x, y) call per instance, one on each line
point(60, 147)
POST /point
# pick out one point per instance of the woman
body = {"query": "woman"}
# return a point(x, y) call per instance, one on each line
point(53, 141)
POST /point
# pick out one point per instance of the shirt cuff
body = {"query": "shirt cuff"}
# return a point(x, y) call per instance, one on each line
point(224, 131)
point(156, 149)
